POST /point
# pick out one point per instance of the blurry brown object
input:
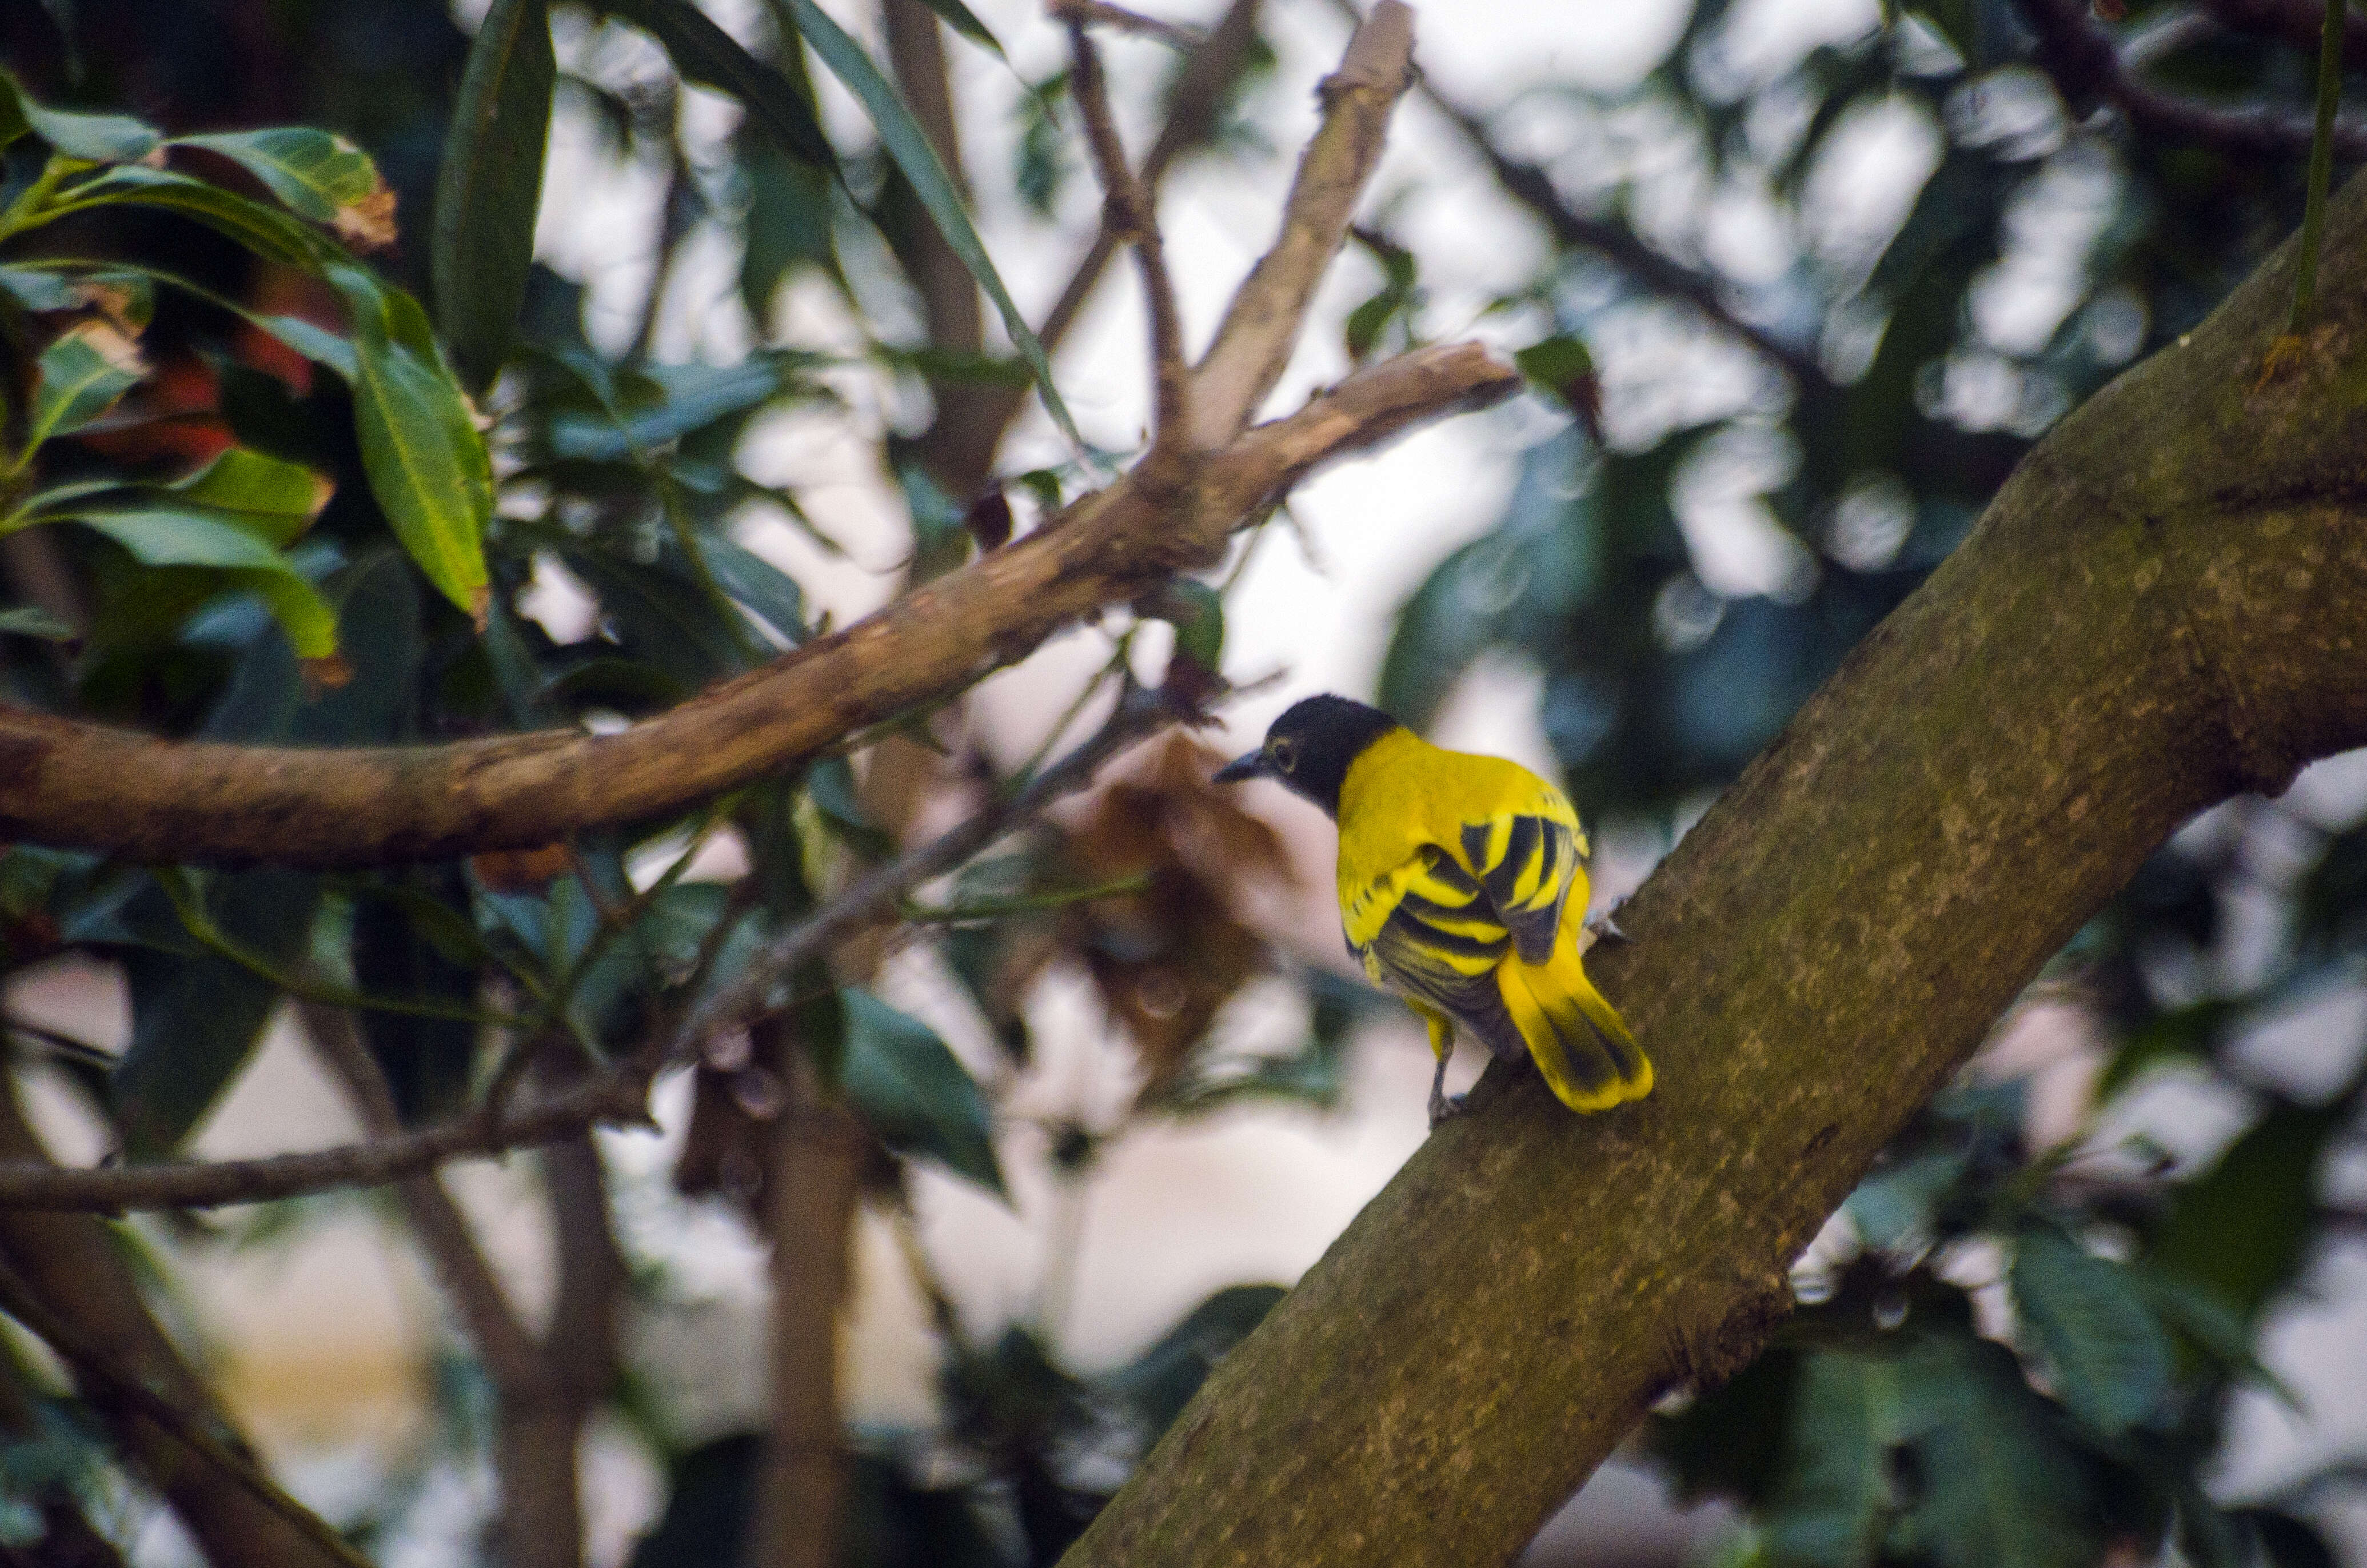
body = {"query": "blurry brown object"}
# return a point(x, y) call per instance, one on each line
point(1167, 957)
point(517, 870)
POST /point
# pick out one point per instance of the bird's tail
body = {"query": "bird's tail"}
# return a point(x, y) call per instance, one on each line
point(1577, 1039)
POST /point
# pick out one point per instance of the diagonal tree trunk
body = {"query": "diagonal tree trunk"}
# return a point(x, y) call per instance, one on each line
point(2167, 605)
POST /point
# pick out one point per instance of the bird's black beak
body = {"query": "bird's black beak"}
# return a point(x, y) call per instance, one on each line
point(1252, 765)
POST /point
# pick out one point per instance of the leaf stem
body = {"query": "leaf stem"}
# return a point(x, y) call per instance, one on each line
point(2321, 166)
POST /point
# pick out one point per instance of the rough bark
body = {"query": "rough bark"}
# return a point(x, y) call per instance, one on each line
point(93, 787)
point(2165, 605)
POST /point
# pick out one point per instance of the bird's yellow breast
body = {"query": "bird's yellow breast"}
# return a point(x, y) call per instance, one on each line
point(1402, 794)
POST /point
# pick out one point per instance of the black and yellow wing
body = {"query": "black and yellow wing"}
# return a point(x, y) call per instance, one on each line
point(1439, 925)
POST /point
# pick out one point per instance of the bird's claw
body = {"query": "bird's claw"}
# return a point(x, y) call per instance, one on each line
point(1606, 928)
point(1445, 1108)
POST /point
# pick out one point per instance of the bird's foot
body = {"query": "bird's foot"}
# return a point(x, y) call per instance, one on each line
point(1445, 1108)
point(1606, 928)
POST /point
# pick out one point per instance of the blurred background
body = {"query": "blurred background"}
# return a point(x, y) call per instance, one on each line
point(1796, 285)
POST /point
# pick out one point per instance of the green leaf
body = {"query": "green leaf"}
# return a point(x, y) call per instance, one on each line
point(708, 55)
point(89, 365)
point(1892, 1208)
point(1197, 613)
point(196, 1018)
point(1835, 1492)
point(757, 585)
point(1999, 1486)
point(160, 532)
point(94, 138)
point(490, 185)
point(1163, 1379)
point(266, 231)
point(788, 221)
point(710, 1493)
point(2087, 1316)
point(316, 174)
point(963, 21)
point(426, 461)
point(668, 401)
point(913, 1094)
point(910, 148)
point(2242, 1228)
point(273, 499)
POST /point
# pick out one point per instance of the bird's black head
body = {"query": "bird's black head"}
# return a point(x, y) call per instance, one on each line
point(1309, 747)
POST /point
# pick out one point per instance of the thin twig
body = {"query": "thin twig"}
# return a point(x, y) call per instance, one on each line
point(1130, 213)
point(875, 896)
point(1078, 11)
point(1529, 185)
point(620, 1096)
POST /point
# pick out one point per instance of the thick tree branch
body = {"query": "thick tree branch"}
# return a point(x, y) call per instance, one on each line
point(2166, 603)
point(2087, 67)
point(90, 785)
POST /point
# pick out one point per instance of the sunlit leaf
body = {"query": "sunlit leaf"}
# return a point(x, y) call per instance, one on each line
point(490, 185)
point(96, 138)
point(425, 459)
point(316, 174)
point(83, 373)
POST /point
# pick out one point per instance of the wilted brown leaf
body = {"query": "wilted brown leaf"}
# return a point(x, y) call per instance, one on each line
point(1167, 957)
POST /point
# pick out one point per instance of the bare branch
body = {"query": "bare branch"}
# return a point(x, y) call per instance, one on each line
point(104, 1384)
point(621, 1097)
point(1529, 185)
point(2087, 67)
point(1253, 343)
point(1130, 214)
point(492, 1324)
point(949, 300)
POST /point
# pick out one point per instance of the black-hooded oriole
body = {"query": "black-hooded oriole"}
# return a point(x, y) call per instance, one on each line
point(1462, 888)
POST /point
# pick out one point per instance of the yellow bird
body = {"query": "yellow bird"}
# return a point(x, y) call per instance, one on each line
point(1462, 888)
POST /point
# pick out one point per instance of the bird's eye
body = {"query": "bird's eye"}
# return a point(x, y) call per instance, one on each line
point(1285, 756)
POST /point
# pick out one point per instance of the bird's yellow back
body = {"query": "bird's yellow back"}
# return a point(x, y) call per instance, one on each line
point(1403, 794)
